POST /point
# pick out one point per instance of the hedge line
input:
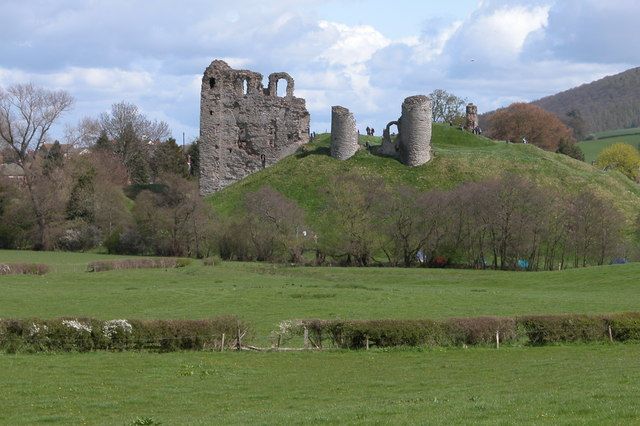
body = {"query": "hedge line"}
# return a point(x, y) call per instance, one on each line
point(88, 334)
point(531, 330)
point(23, 269)
point(144, 263)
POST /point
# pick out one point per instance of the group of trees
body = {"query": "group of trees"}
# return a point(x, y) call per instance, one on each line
point(73, 198)
point(502, 223)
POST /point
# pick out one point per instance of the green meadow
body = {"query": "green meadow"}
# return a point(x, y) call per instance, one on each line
point(570, 384)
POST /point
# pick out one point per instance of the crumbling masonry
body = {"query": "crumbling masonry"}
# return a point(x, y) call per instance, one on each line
point(471, 122)
point(344, 134)
point(245, 127)
point(413, 142)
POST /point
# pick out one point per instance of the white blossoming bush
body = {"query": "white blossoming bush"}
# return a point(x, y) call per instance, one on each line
point(112, 327)
point(77, 325)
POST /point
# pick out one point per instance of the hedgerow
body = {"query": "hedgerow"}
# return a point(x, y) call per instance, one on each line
point(89, 334)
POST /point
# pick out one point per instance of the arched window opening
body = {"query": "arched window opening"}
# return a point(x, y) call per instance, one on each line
point(212, 82)
point(245, 86)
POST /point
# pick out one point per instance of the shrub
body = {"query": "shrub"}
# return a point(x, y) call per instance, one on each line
point(547, 329)
point(23, 269)
point(144, 263)
point(624, 327)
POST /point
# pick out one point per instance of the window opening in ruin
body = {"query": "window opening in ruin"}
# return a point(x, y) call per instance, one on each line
point(281, 87)
point(245, 86)
point(212, 82)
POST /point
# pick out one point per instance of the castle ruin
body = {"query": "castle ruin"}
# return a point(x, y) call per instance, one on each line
point(413, 142)
point(245, 127)
point(344, 134)
point(471, 123)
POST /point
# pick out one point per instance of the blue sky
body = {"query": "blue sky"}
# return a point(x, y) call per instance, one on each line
point(364, 55)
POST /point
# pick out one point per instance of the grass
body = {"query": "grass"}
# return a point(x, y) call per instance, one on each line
point(577, 384)
point(458, 157)
point(265, 294)
point(571, 384)
point(592, 148)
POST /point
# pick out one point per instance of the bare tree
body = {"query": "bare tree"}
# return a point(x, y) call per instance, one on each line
point(124, 114)
point(27, 113)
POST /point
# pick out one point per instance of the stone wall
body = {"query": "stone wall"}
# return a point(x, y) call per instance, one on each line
point(245, 127)
point(344, 134)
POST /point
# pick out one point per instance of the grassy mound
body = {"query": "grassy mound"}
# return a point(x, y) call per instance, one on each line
point(458, 157)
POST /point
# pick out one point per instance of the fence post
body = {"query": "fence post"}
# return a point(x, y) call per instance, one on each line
point(610, 334)
point(279, 341)
point(222, 345)
point(497, 339)
point(367, 342)
point(239, 342)
point(306, 338)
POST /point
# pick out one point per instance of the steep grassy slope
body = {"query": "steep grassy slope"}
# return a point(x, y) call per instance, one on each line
point(458, 157)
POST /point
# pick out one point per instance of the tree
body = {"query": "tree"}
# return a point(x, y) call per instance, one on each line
point(622, 157)
point(103, 143)
point(571, 149)
point(174, 221)
point(446, 107)
point(353, 236)
point(132, 132)
point(194, 159)
point(168, 157)
point(276, 225)
point(124, 114)
point(521, 121)
point(573, 119)
point(27, 113)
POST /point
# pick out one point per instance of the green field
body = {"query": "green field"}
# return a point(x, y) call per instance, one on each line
point(266, 294)
point(592, 148)
point(557, 385)
point(561, 384)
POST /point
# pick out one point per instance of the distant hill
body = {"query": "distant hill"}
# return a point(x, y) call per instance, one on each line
point(610, 103)
point(458, 157)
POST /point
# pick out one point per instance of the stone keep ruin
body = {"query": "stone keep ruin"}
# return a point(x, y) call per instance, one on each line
point(413, 141)
point(245, 127)
point(344, 134)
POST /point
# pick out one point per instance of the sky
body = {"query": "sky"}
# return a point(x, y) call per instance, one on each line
point(364, 55)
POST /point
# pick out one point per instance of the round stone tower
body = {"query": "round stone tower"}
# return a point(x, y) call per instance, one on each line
point(415, 131)
point(344, 135)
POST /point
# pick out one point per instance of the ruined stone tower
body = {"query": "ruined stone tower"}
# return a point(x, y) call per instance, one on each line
point(472, 118)
point(415, 131)
point(245, 127)
point(413, 142)
point(344, 135)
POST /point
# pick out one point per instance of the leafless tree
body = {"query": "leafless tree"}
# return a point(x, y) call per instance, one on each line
point(27, 113)
point(124, 114)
